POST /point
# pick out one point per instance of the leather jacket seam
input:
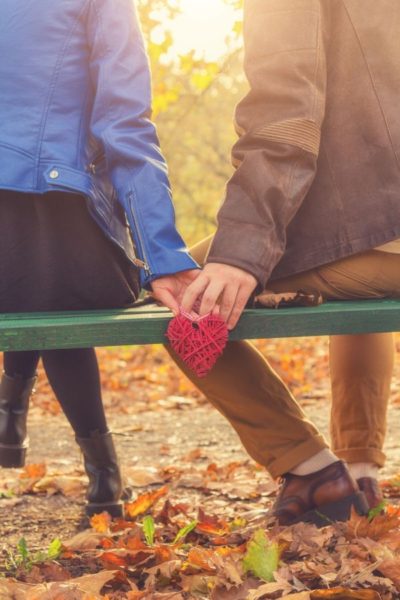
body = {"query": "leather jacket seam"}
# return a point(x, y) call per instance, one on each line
point(357, 37)
point(51, 90)
point(17, 149)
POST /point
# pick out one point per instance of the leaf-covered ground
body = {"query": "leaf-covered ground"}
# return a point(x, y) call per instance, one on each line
point(196, 523)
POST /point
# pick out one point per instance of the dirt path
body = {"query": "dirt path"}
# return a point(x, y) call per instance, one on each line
point(182, 441)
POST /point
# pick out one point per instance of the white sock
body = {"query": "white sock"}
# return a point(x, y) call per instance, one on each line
point(319, 461)
point(363, 469)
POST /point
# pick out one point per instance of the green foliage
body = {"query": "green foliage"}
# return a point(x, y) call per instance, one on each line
point(374, 512)
point(182, 533)
point(25, 559)
point(193, 104)
point(262, 556)
point(149, 530)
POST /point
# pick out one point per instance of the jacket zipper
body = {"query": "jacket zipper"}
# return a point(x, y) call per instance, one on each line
point(140, 263)
point(136, 261)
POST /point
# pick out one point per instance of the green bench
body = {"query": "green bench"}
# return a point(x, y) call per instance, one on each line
point(148, 324)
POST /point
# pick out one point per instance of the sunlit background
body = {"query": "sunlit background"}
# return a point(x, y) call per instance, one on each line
point(203, 26)
point(195, 50)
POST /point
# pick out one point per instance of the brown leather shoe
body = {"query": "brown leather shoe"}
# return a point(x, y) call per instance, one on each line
point(322, 497)
point(372, 491)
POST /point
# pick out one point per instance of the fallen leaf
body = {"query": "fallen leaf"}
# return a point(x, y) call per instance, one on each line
point(376, 528)
point(343, 594)
point(92, 584)
point(33, 471)
point(101, 522)
point(144, 502)
point(67, 485)
point(391, 569)
point(286, 299)
point(85, 540)
point(262, 556)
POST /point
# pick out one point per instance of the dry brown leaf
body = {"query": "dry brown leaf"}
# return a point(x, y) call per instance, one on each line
point(296, 596)
point(272, 588)
point(391, 570)
point(85, 540)
point(138, 477)
point(166, 596)
point(378, 527)
point(300, 298)
point(92, 584)
point(68, 485)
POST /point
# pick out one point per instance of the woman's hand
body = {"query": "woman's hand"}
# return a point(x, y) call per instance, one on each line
point(169, 290)
point(223, 289)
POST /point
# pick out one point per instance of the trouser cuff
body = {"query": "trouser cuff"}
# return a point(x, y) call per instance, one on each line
point(296, 455)
point(355, 455)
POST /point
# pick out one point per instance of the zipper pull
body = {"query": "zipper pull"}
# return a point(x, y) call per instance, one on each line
point(141, 265)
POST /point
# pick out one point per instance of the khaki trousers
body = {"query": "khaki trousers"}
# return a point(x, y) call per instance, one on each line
point(260, 407)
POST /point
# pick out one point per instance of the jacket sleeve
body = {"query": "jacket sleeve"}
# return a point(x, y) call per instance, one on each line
point(121, 123)
point(279, 123)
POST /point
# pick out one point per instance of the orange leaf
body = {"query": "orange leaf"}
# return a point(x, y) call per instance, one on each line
point(111, 560)
point(202, 559)
point(163, 554)
point(375, 528)
point(133, 543)
point(341, 593)
point(144, 502)
point(107, 543)
point(101, 522)
point(33, 471)
point(121, 525)
point(211, 525)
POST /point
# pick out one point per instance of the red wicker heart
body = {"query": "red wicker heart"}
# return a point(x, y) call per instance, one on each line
point(199, 341)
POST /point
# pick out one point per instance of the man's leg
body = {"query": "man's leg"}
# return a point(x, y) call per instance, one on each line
point(361, 365)
point(371, 274)
point(246, 390)
point(361, 371)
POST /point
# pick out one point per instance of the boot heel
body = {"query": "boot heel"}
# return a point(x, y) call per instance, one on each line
point(12, 458)
point(337, 511)
point(115, 510)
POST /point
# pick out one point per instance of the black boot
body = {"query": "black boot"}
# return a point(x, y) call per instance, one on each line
point(101, 465)
point(14, 403)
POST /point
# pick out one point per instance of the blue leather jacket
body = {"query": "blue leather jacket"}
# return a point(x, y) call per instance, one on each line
point(74, 116)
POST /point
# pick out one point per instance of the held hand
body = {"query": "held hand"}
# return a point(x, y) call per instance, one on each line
point(169, 290)
point(224, 290)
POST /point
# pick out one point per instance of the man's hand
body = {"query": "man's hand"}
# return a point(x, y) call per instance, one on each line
point(169, 290)
point(224, 290)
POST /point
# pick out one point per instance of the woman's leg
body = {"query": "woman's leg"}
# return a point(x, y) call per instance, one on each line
point(15, 390)
point(75, 379)
point(21, 364)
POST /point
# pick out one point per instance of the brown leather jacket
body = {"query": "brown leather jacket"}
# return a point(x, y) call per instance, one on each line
point(318, 173)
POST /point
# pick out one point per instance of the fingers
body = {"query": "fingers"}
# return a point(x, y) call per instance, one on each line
point(210, 297)
point(166, 298)
point(228, 299)
point(238, 307)
point(193, 291)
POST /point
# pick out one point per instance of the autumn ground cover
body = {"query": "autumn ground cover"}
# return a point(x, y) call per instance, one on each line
point(196, 523)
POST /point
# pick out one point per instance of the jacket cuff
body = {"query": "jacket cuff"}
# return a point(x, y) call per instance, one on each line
point(175, 262)
point(245, 247)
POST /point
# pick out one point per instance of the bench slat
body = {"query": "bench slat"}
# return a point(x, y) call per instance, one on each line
point(147, 325)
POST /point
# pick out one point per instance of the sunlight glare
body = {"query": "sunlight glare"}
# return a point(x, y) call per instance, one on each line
point(203, 26)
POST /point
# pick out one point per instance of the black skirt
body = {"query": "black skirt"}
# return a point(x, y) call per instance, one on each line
point(53, 256)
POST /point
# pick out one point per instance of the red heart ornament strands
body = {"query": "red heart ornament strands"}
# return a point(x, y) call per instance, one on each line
point(198, 341)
